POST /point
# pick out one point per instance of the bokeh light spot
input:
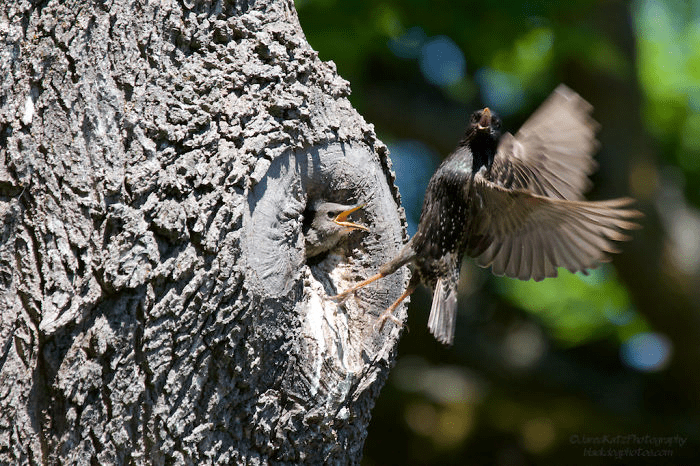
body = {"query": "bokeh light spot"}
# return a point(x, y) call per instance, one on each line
point(538, 434)
point(442, 61)
point(408, 45)
point(453, 427)
point(524, 346)
point(501, 91)
point(414, 163)
point(646, 352)
point(421, 418)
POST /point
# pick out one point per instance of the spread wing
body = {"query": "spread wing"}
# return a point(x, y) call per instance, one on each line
point(552, 154)
point(524, 235)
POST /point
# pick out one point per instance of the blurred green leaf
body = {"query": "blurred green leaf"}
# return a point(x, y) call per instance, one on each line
point(577, 308)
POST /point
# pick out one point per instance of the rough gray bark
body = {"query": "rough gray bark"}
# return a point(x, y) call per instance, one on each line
point(156, 159)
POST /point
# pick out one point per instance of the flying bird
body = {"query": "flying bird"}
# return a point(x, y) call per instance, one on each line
point(513, 203)
point(327, 225)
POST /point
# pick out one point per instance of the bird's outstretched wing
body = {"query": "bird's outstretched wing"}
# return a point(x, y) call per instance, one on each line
point(524, 235)
point(552, 153)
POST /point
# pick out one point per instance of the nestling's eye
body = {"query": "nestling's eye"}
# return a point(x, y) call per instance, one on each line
point(330, 215)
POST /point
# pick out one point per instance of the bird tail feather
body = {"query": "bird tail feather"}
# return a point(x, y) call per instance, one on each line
point(443, 312)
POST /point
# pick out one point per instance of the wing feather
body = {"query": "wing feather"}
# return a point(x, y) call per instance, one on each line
point(525, 235)
point(552, 154)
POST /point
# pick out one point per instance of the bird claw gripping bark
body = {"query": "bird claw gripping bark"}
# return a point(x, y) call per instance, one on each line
point(381, 320)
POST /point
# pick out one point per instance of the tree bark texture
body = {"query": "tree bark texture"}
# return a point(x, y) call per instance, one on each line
point(156, 162)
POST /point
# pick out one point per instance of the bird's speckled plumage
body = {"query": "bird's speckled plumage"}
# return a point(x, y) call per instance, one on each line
point(512, 203)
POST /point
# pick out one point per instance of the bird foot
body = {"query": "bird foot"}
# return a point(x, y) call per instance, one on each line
point(381, 320)
point(389, 313)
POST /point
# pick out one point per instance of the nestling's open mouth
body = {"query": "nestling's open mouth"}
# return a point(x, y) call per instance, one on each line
point(341, 219)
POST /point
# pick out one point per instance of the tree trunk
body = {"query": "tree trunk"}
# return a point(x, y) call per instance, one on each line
point(156, 161)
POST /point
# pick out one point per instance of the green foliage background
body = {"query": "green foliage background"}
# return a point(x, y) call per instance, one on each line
point(539, 368)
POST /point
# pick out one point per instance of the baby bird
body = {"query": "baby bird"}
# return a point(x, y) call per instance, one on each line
point(328, 225)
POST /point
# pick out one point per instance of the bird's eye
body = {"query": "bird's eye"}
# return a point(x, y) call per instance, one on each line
point(330, 215)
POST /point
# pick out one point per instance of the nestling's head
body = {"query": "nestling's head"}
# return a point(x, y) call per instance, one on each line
point(329, 225)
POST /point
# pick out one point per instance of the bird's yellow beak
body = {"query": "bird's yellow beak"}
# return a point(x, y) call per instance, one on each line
point(341, 219)
point(485, 121)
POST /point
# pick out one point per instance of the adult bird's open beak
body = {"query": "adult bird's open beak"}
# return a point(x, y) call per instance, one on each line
point(485, 121)
point(341, 219)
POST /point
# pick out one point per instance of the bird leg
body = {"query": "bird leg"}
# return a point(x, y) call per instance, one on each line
point(389, 313)
point(405, 255)
point(344, 294)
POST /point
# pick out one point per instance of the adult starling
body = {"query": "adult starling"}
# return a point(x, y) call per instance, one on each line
point(328, 224)
point(513, 203)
